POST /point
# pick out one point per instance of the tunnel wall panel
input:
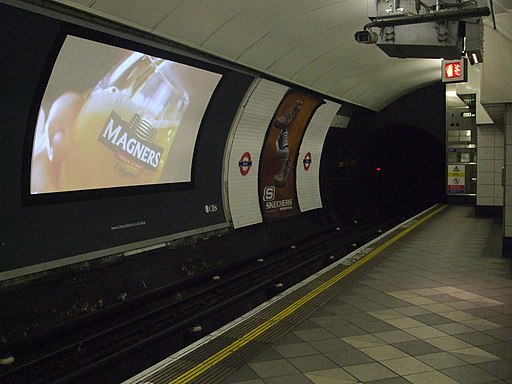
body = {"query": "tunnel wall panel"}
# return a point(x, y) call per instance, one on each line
point(247, 145)
point(308, 166)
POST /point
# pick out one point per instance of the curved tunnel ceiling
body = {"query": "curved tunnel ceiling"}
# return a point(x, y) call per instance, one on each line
point(309, 43)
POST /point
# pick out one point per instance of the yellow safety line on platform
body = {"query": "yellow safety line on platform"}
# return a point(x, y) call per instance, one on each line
point(250, 336)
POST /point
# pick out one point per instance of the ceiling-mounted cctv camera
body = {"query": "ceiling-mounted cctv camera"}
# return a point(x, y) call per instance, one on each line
point(366, 37)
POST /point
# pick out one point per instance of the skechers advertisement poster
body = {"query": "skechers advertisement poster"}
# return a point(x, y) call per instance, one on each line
point(277, 190)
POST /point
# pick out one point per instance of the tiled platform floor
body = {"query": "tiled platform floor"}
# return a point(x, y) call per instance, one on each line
point(437, 309)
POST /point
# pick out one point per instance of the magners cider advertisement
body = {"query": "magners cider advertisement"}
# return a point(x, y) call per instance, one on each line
point(277, 189)
point(112, 117)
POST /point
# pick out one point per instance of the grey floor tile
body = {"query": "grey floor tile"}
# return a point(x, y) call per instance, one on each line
point(438, 307)
point(425, 332)
point(425, 292)
point(363, 341)
point(407, 366)
point(392, 380)
point(295, 349)
point(392, 302)
point(396, 336)
point(441, 298)
point(503, 320)
point(346, 330)
point(266, 355)
point(481, 324)
point(432, 377)
point(341, 309)
point(474, 355)
point(306, 324)
point(503, 334)
point(273, 368)
point(405, 284)
point(448, 343)
point(447, 289)
point(384, 352)
point(469, 374)
point(496, 302)
point(349, 357)
point(463, 305)
point(500, 368)
point(370, 371)
point(328, 321)
point(244, 374)
point(432, 319)
point(359, 318)
point(505, 309)
point(484, 313)
point(418, 347)
point(360, 289)
point(376, 326)
point(289, 338)
point(419, 300)
point(314, 334)
point(320, 312)
point(330, 345)
point(440, 360)
point(459, 316)
point(413, 311)
point(477, 338)
point(312, 363)
point(287, 379)
point(381, 286)
point(453, 328)
point(387, 314)
point(371, 306)
point(255, 381)
point(354, 299)
point(331, 376)
point(503, 350)
point(404, 323)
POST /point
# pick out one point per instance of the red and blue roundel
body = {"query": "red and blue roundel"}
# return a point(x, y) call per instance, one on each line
point(245, 163)
point(307, 161)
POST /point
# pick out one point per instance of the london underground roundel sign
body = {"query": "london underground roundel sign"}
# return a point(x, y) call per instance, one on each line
point(307, 161)
point(245, 163)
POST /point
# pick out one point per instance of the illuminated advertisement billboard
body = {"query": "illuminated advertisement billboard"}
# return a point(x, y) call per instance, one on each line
point(277, 184)
point(112, 117)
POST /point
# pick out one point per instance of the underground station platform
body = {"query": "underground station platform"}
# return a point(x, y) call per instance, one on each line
point(429, 301)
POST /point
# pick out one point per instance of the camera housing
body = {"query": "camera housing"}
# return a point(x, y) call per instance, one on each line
point(366, 37)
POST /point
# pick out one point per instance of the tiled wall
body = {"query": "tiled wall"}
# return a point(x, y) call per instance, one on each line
point(508, 168)
point(490, 154)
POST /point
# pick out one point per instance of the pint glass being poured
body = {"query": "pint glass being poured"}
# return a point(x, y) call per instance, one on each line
point(126, 126)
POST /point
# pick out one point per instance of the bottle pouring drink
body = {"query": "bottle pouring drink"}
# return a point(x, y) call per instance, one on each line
point(126, 127)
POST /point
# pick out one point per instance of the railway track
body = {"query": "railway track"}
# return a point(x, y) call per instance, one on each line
point(121, 341)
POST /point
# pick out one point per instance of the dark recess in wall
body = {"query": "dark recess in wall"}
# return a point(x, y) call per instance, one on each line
point(389, 160)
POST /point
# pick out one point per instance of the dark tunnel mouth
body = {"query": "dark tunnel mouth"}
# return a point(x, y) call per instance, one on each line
point(407, 163)
point(398, 166)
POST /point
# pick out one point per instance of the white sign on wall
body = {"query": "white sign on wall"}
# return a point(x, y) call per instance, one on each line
point(308, 169)
point(456, 178)
point(243, 161)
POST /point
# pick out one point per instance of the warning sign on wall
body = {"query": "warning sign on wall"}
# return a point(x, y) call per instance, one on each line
point(456, 178)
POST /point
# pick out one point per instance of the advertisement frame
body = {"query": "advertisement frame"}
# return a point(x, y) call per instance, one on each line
point(278, 198)
point(67, 29)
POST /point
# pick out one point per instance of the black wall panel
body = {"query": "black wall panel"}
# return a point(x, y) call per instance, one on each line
point(35, 232)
